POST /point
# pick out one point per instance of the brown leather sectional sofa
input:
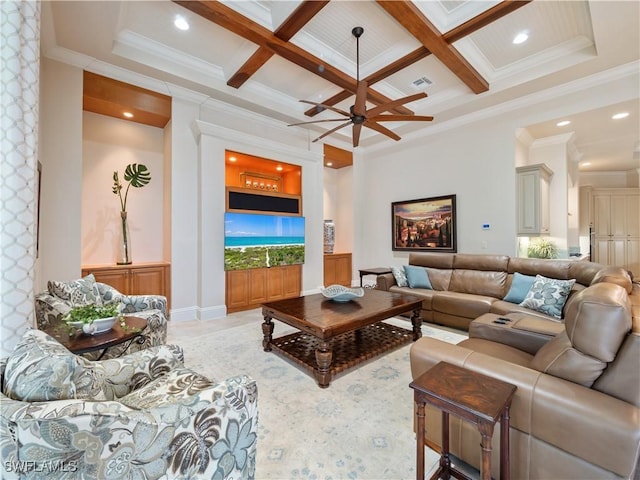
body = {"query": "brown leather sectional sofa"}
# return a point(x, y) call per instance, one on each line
point(466, 286)
point(576, 410)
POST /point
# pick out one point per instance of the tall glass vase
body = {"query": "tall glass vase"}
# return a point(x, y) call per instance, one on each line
point(124, 242)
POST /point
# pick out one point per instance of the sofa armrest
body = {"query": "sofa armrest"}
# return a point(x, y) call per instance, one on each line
point(385, 281)
point(49, 310)
point(518, 330)
point(591, 425)
point(140, 303)
point(135, 370)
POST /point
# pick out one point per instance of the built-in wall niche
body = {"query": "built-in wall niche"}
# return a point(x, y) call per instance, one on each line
point(261, 174)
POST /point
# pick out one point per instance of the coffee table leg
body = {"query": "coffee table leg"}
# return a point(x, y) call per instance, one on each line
point(416, 320)
point(324, 355)
point(267, 331)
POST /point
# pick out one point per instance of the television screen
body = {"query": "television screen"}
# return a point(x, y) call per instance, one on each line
point(259, 241)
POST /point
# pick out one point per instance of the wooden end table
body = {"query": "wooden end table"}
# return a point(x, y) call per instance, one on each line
point(81, 343)
point(373, 271)
point(473, 397)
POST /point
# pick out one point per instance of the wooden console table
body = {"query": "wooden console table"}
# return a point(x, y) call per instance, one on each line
point(473, 397)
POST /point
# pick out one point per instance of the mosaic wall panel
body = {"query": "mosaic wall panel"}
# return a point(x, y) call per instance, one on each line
point(20, 59)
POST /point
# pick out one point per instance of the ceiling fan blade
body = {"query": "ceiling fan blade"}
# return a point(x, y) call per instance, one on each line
point(317, 121)
point(395, 103)
point(357, 128)
point(381, 129)
point(328, 107)
point(329, 132)
point(401, 118)
point(360, 106)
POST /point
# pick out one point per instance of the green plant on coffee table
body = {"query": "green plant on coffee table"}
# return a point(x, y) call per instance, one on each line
point(88, 313)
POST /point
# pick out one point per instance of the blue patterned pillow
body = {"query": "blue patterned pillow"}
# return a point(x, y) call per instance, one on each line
point(548, 295)
point(401, 278)
point(417, 277)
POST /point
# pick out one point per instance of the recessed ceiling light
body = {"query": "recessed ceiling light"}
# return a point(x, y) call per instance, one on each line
point(232, 159)
point(520, 38)
point(279, 168)
point(127, 114)
point(329, 164)
point(620, 115)
point(181, 23)
point(563, 123)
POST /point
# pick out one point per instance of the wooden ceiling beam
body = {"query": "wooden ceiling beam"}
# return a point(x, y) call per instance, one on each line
point(485, 18)
point(294, 22)
point(414, 21)
point(229, 19)
point(467, 28)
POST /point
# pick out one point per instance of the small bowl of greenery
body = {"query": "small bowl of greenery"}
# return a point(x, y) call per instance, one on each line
point(92, 319)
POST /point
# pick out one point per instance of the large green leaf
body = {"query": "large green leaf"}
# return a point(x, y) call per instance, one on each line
point(137, 175)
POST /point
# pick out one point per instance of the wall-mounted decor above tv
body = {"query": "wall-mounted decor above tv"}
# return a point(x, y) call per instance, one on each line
point(259, 241)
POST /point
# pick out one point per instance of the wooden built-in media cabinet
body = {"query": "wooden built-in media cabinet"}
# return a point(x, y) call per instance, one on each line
point(247, 289)
point(269, 187)
point(135, 279)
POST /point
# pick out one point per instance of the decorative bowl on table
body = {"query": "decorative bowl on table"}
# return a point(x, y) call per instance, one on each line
point(100, 325)
point(340, 293)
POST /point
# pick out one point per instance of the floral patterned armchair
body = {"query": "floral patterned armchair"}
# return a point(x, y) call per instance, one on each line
point(61, 297)
point(142, 416)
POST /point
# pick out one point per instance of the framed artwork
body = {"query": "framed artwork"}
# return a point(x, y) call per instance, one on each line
point(425, 224)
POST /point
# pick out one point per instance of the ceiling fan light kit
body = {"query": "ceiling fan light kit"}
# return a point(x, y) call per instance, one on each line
point(359, 115)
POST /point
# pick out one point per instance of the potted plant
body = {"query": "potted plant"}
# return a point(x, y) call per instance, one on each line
point(542, 248)
point(92, 318)
point(137, 176)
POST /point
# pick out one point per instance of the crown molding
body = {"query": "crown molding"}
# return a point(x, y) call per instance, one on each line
point(618, 73)
point(200, 128)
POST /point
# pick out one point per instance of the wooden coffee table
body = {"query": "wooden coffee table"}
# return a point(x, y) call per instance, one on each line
point(81, 343)
point(336, 336)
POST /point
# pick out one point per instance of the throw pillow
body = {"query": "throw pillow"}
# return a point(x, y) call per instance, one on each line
point(520, 286)
point(76, 292)
point(41, 369)
point(401, 278)
point(548, 295)
point(417, 277)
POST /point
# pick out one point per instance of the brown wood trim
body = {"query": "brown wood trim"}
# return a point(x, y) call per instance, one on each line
point(229, 19)
point(413, 20)
point(298, 19)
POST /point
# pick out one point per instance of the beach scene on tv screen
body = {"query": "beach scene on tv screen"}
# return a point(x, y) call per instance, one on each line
point(261, 241)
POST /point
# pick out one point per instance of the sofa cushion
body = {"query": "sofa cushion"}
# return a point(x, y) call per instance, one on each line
point(479, 282)
point(520, 286)
point(77, 293)
point(41, 369)
point(399, 275)
point(417, 277)
point(548, 295)
point(461, 304)
point(597, 321)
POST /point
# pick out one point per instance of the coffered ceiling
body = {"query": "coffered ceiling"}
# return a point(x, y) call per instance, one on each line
point(265, 56)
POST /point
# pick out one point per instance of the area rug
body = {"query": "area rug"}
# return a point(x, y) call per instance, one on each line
point(361, 427)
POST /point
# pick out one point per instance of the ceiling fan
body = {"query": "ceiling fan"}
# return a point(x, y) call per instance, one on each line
point(360, 115)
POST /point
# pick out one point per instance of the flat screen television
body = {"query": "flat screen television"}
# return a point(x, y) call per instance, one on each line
point(258, 241)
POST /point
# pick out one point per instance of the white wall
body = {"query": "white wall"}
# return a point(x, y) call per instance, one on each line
point(60, 152)
point(476, 164)
point(110, 144)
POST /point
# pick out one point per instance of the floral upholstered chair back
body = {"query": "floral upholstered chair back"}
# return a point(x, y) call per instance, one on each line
point(61, 297)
